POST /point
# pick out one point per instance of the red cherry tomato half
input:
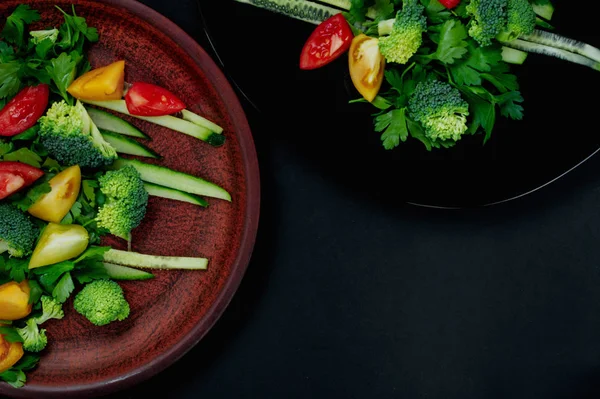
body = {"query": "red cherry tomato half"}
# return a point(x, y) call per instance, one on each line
point(15, 176)
point(146, 99)
point(328, 41)
point(450, 4)
point(24, 110)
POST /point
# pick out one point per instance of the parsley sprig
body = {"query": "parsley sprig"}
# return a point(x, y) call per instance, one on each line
point(55, 61)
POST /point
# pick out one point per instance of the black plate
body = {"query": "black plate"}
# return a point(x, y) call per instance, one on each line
point(309, 111)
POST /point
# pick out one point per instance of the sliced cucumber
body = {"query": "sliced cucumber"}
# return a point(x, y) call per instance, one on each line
point(201, 121)
point(107, 121)
point(306, 11)
point(513, 56)
point(119, 272)
point(136, 259)
point(168, 121)
point(171, 193)
point(127, 145)
point(545, 11)
point(166, 177)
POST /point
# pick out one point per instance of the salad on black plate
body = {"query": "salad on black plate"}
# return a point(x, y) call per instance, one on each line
point(433, 70)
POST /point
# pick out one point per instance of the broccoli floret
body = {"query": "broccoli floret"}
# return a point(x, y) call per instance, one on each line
point(520, 20)
point(102, 302)
point(406, 35)
point(489, 18)
point(17, 232)
point(34, 338)
point(38, 36)
point(440, 109)
point(51, 309)
point(126, 201)
point(72, 138)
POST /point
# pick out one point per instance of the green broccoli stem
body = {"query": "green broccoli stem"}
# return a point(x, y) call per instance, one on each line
point(560, 42)
point(552, 52)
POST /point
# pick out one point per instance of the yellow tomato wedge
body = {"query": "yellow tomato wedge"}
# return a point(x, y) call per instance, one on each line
point(64, 189)
point(366, 66)
point(10, 353)
point(104, 83)
point(14, 300)
point(59, 242)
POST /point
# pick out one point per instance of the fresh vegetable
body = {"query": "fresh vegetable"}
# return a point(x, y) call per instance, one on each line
point(441, 110)
point(146, 261)
point(72, 138)
point(156, 190)
point(166, 177)
point(100, 84)
point(24, 110)
point(59, 242)
point(330, 39)
point(62, 193)
point(105, 121)
point(366, 65)
point(39, 36)
point(64, 190)
point(14, 300)
point(126, 201)
point(470, 45)
point(17, 232)
point(306, 11)
point(168, 121)
point(51, 309)
point(146, 99)
point(34, 338)
point(450, 4)
point(520, 20)
point(102, 302)
point(406, 35)
point(127, 145)
point(196, 119)
point(15, 176)
point(29, 61)
point(119, 272)
point(10, 353)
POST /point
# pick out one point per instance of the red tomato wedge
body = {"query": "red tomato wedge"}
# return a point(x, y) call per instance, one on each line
point(24, 110)
point(450, 4)
point(328, 41)
point(15, 176)
point(146, 99)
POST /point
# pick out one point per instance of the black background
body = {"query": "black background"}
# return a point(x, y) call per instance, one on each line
point(353, 293)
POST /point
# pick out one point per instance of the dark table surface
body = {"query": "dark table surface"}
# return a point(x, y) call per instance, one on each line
point(350, 295)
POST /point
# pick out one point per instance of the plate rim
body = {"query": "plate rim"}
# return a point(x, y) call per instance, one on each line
point(248, 234)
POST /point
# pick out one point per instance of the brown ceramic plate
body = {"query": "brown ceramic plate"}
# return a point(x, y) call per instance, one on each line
point(172, 312)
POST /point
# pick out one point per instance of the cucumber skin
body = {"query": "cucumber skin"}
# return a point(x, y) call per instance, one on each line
point(169, 121)
point(144, 261)
point(302, 10)
point(120, 272)
point(513, 56)
point(176, 195)
point(149, 172)
point(116, 139)
point(107, 121)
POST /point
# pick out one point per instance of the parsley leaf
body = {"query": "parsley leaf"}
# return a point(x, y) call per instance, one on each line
point(24, 155)
point(393, 126)
point(62, 71)
point(64, 288)
point(10, 82)
point(452, 43)
point(14, 28)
